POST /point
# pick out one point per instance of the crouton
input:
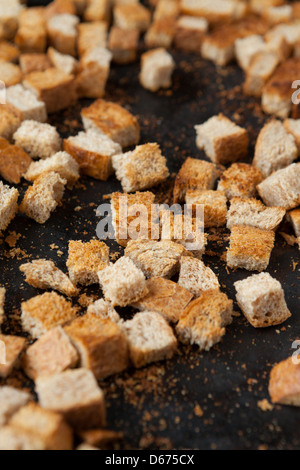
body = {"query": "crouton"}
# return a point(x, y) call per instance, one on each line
point(101, 437)
point(80, 6)
point(2, 301)
point(32, 32)
point(104, 311)
point(253, 213)
point(61, 163)
point(258, 6)
point(282, 188)
point(10, 120)
point(292, 126)
point(157, 67)
point(250, 248)
point(9, 18)
point(123, 45)
point(150, 339)
point(112, 120)
point(52, 354)
point(62, 32)
point(246, 49)
point(43, 274)
point(10, 74)
point(294, 219)
point(215, 206)
point(284, 385)
point(13, 438)
point(98, 10)
point(195, 277)
point(93, 152)
point(261, 68)
point(65, 63)
point(261, 299)
point(290, 31)
point(13, 348)
point(44, 312)
point(279, 46)
point(204, 320)
point(93, 73)
point(76, 395)
point(141, 169)
point(278, 15)
point(85, 260)
point(101, 344)
point(240, 180)
point(11, 400)
point(14, 162)
point(132, 17)
point(59, 7)
point(26, 103)
point(38, 139)
point(166, 9)
point(8, 205)
point(86, 447)
point(43, 197)
point(189, 33)
point(217, 12)
point(91, 35)
point(161, 33)
point(222, 140)
point(166, 298)
point(123, 283)
point(34, 63)
point(8, 52)
point(194, 174)
point(275, 149)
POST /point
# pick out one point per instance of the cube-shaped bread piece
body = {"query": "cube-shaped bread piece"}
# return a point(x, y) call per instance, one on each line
point(112, 120)
point(54, 87)
point(76, 395)
point(254, 213)
point(195, 277)
point(189, 33)
point(204, 320)
point(43, 274)
point(123, 45)
point(38, 139)
point(258, 6)
point(98, 10)
point(26, 102)
point(275, 149)
point(8, 205)
point(261, 299)
point(222, 140)
point(32, 32)
point(250, 248)
point(101, 437)
point(150, 339)
point(284, 385)
point(91, 35)
point(64, 62)
point(44, 312)
point(10, 120)
point(61, 163)
point(247, 48)
point(13, 348)
point(294, 218)
point(13, 438)
point(93, 152)
point(10, 74)
point(240, 180)
point(260, 70)
point(101, 344)
point(278, 15)
point(282, 188)
point(59, 7)
point(141, 169)
point(8, 52)
point(215, 12)
point(9, 18)
point(194, 174)
point(166, 9)
point(104, 311)
point(43, 197)
point(46, 425)
point(52, 354)
point(132, 17)
point(166, 298)
point(123, 283)
point(292, 126)
point(214, 203)
point(14, 162)
point(11, 400)
point(93, 73)
point(34, 62)
point(2, 302)
point(161, 33)
point(85, 260)
point(157, 67)
point(62, 32)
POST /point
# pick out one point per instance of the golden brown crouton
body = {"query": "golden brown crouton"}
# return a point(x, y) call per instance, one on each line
point(10, 74)
point(101, 437)
point(62, 33)
point(282, 188)
point(294, 219)
point(254, 213)
point(284, 385)
point(85, 260)
point(13, 348)
point(98, 10)
point(93, 73)
point(11, 400)
point(10, 120)
point(161, 33)
point(8, 205)
point(123, 45)
point(157, 67)
point(214, 203)
point(194, 174)
point(8, 52)
point(240, 180)
point(132, 17)
point(195, 277)
point(30, 63)
point(32, 32)
point(91, 35)
point(14, 162)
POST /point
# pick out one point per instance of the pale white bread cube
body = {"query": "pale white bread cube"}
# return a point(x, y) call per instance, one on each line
point(132, 17)
point(253, 213)
point(27, 103)
point(61, 163)
point(157, 67)
point(11, 400)
point(247, 48)
point(93, 72)
point(291, 32)
point(40, 140)
point(280, 14)
point(294, 218)
point(284, 385)
point(292, 126)
point(91, 35)
point(282, 188)
point(63, 62)
point(10, 74)
point(62, 32)
point(258, 6)
point(261, 68)
point(9, 18)
point(215, 12)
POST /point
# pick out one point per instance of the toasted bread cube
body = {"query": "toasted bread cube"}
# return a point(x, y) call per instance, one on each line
point(2, 302)
point(246, 49)
point(216, 12)
point(62, 32)
point(91, 35)
point(8, 205)
point(282, 188)
point(156, 259)
point(100, 437)
point(11, 400)
point(34, 62)
point(98, 10)
point(150, 339)
point(86, 260)
point(204, 320)
point(43, 274)
point(166, 9)
point(32, 32)
point(166, 298)
point(279, 46)
point(43, 197)
point(292, 126)
point(10, 74)
point(141, 169)
point(61, 163)
point(132, 17)
point(250, 248)
point(9, 18)
point(194, 174)
point(189, 33)
point(215, 206)
point(284, 385)
point(38, 139)
point(240, 180)
point(80, 6)
point(8, 52)
point(52, 354)
point(46, 425)
point(261, 68)
point(101, 344)
point(195, 277)
point(93, 152)
point(59, 7)
point(157, 67)
point(294, 218)
point(261, 299)
point(93, 73)
point(161, 33)
point(222, 140)
point(275, 149)
point(254, 213)
point(258, 6)
point(13, 438)
point(64, 62)
point(26, 103)
point(123, 283)
point(10, 120)
point(112, 120)
point(44, 312)
point(123, 45)
point(278, 15)
point(13, 348)
point(14, 162)
point(104, 311)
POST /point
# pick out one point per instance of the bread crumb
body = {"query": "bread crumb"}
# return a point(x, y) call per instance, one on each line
point(265, 405)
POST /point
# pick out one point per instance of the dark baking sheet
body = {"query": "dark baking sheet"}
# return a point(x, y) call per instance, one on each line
point(156, 407)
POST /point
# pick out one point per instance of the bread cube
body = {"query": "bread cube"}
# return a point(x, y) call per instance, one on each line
point(282, 188)
point(8, 52)
point(2, 302)
point(294, 219)
point(104, 311)
point(132, 17)
point(44, 312)
point(64, 62)
point(85, 260)
point(101, 437)
point(61, 163)
point(52, 354)
point(194, 174)
point(34, 62)
point(253, 213)
point(91, 35)
point(93, 152)
point(261, 299)
point(215, 12)
point(10, 74)
point(123, 283)
point(222, 140)
point(98, 10)
point(13, 348)
point(150, 339)
point(26, 103)
point(215, 206)
point(166, 9)
point(258, 6)
point(260, 70)
point(250, 248)
point(279, 45)
point(161, 33)
point(62, 32)
point(157, 67)
point(240, 180)
point(32, 32)
point(292, 126)
point(195, 277)
point(59, 7)
point(8, 205)
point(13, 438)
point(11, 400)
point(76, 395)
point(38, 139)
point(9, 18)
point(280, 14)
point(141, 169)
point(166, 298)
point(123, 45)
point(112, 120)
point(93, 73)
point(247, 48)
point(189, 33)
point(219, 45)
point(204, 320)
point(284, 385)
point(14, 162)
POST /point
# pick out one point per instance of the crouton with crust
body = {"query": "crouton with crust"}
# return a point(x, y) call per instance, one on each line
point(26, 102)
point(98, 10)
point(240, 180)
point(64, 62)
point(14, 347)
point(11, 400)
point(195, 277)
point(9, 18)
point(91, 35)
point(253, 213)
point(104, 311)
point(260, 70)
point(157, 67)
point(123, 45)
point(10, 74)
point(34, 62)
point(161, 33)
point(219, 11)
point(284, 384)
point(93, 73)
point(294, 218)
point(282, 188)
point(61, 163)
point(132, 17)
point(40, 140)
point(85, 260)
point(8, 52)
point(8, 205)
point(62, 33)
point(32, 32)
